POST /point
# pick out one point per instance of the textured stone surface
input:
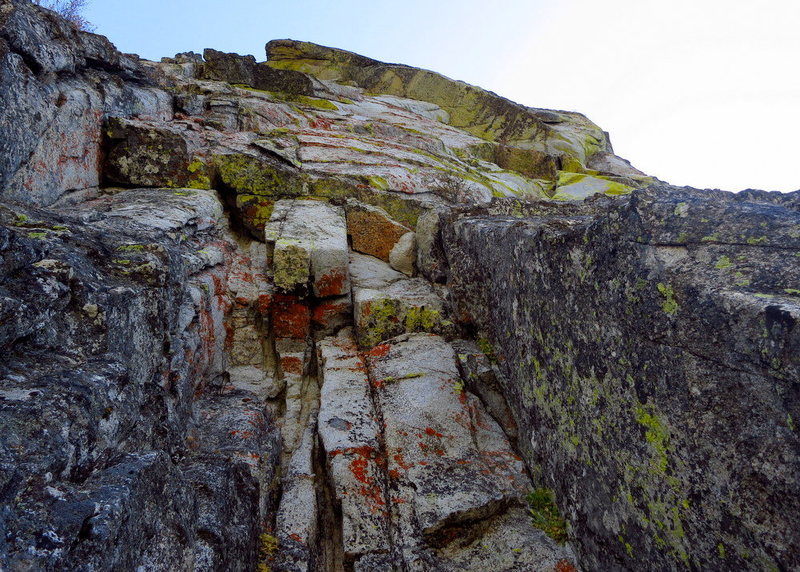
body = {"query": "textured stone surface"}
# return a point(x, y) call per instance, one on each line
point(53, 109)
point(123, 331)
point(576, 186)
point(349, 432)
point(372, 231)
point(141, 154)
point(650, 345)
point(386, 303)
point(449, 464)
point(180, 387)
point(297, 518)
point(404, 254)
point(533, 139)
point(310, 245)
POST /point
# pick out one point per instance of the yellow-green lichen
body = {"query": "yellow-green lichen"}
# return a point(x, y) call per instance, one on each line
point(380, 321)
point(249, 175)
point(378, 182)
point(291, 265)
point(267, 547)
point(656, 435)
point(488, 350)
point(315, 102)
point(422, 319)
point(723, 263)
point(669, 305)
point(131, 248)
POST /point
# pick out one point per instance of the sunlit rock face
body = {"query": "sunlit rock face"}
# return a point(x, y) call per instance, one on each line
point(327, 313)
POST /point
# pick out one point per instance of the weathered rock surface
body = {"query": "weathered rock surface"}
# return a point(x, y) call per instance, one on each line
point(331, 320)
point(386, 303)
point(372, 231)
point(650, 345)
point(420, 471)
point(57, 86)
point(309, 240)
point(121, 444)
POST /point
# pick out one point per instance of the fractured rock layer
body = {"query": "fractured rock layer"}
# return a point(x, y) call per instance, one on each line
point(326, 313)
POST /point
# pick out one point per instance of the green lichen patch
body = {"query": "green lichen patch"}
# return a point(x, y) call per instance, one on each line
point(131, 248)
point(669, 305)
point(316, 103)
point(488, 349)
point(656, 434)
point(291, 263)
point(380, 321)
point(545, 515)
point(385, 318)
point(579, 186)
point(268, 545)
point(403, 209)
point(422, 319)
point(723, 263)
point(249, 175)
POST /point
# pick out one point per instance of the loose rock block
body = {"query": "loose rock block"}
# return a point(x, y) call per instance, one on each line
point(310, 245)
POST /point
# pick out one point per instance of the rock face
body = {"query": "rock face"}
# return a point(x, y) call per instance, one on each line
point(650, 345)
point(123, 445)
point(326, 313)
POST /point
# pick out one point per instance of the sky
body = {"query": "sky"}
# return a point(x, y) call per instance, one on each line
point(695, 92)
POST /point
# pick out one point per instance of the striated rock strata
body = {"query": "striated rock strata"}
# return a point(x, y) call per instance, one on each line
point(327, 313)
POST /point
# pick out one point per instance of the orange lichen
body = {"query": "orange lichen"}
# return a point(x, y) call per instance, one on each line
point(292, 364)
point(291, 318)
point(564, 566)
point(331, 284)
point(380, 350)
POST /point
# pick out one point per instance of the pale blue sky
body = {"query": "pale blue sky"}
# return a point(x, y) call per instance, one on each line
point(696, 92)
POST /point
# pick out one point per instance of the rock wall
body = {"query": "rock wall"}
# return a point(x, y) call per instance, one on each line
point(122, 443)
point(57, 85)
point(326, 313)
point(651, 354)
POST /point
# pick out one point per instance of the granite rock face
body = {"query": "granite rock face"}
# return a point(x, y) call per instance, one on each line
point(327, 313)
point(57, 86)
point(650, 345)
point(122, 443)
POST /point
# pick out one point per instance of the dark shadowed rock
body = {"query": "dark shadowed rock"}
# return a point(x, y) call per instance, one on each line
point(650, 345)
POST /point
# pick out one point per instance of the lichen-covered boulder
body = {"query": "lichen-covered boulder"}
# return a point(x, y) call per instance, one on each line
point(372, 231)
point(141, 154)
point(578, 186)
